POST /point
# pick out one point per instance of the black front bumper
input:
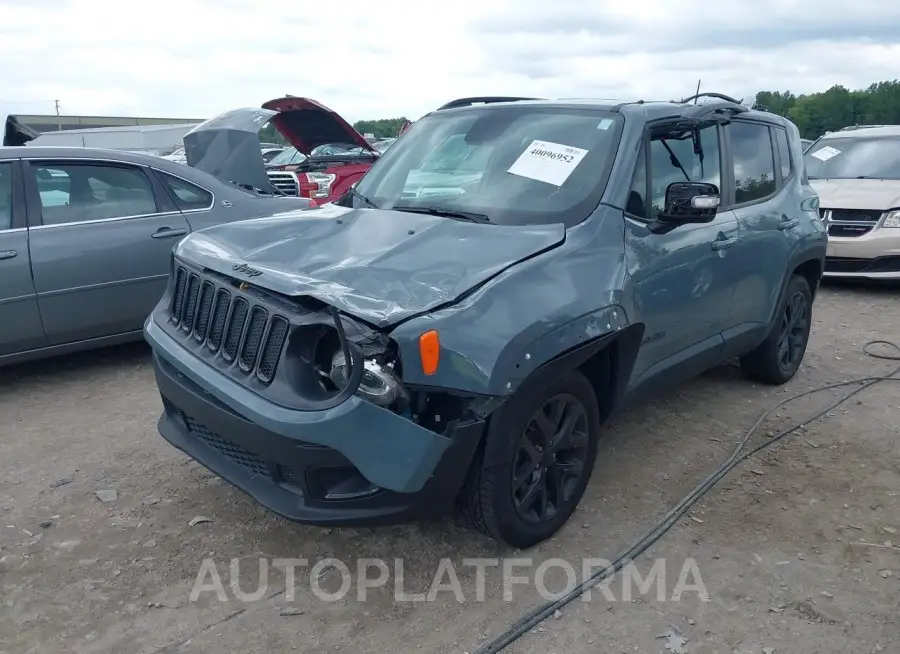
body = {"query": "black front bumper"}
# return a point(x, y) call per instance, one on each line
point(304, 482)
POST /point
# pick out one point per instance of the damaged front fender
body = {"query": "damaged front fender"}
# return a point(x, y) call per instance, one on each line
point(492, 340)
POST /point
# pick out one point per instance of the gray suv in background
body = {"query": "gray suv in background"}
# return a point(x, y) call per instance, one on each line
point(856, 172)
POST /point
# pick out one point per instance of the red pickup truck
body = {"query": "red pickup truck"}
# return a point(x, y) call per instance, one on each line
point(334, 155)
point(330, 154)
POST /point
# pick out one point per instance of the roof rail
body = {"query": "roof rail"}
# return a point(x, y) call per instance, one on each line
point(467, 102)
point(717, 96)
point(849, 128)
point(714, 110)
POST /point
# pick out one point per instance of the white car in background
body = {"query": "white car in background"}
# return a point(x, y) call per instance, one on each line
point(177, 156)
point(268, 154)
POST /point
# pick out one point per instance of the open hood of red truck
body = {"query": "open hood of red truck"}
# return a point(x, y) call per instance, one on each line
point(308, 124)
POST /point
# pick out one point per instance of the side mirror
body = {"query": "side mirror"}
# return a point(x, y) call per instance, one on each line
point(690, 202)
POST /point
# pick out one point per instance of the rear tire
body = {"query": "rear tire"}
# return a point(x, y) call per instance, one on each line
point(535, 463)
point(778, 358)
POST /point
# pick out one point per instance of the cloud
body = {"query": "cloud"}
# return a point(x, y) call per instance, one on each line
point(197, 58)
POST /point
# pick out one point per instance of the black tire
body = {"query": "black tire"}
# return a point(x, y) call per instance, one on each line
point(775, 362)
point(489, 502)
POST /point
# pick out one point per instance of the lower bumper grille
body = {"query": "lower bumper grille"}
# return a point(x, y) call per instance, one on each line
point(227, 449)
point(238, 455)
point(850, 265)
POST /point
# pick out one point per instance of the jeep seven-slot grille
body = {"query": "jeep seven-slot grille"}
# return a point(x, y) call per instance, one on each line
point(229, 325)
point(235, 328)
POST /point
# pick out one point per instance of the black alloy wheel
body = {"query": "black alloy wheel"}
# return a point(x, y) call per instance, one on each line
point(535, 464)
point(776, 360)
point(794, 330)
point(549, 461)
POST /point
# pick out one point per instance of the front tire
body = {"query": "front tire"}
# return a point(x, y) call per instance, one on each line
point(777, 360)
point(537, 459)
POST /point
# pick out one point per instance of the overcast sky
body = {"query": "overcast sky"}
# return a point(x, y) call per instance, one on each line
point(368, 59)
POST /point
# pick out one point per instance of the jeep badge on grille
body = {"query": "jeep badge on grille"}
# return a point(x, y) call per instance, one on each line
point(247, 270)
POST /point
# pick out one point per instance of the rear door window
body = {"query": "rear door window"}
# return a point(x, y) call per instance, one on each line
point(754, 161)
point(78, 192)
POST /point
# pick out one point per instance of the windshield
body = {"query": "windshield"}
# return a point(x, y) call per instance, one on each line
point(854, 158)
point(522, 164)
point(332, 149)
point(383, 144)
point(288, 156)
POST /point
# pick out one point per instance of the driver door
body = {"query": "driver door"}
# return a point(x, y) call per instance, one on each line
point(680, 279)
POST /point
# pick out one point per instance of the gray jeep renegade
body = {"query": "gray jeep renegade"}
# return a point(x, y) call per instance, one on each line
point(454, 331)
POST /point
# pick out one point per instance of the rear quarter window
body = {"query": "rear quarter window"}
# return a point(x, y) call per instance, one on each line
point(187, 196)
point(784, 152)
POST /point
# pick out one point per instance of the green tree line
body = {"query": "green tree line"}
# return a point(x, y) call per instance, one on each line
point(382, 128)
point(828, 111)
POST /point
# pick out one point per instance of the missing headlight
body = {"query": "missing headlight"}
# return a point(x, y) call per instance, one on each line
point(379, 385)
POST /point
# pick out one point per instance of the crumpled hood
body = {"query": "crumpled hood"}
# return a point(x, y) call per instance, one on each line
point(872, 194)
point(380, 266)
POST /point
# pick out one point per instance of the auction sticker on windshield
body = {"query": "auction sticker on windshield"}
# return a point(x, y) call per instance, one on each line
point(547, 162)
point(825, 153)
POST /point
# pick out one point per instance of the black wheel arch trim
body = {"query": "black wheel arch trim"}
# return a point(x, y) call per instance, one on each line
point(800, 258)
point(627, 342)
point(515, 363)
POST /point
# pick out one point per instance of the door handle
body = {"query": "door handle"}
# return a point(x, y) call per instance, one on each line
point(723, 243)
point(168, 232)
point(787, 223)
point(8, 254)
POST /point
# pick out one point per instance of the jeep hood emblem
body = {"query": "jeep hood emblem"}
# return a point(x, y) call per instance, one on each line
point(247, 270)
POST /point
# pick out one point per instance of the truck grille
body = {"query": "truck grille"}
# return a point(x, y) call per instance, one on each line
point(285, 181)
point(849, 223)
point(231, 326)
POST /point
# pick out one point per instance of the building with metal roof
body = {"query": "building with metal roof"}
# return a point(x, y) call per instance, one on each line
point(53, 123)
point(151, 139)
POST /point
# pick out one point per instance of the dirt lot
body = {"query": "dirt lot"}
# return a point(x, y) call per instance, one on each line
point(776, 543)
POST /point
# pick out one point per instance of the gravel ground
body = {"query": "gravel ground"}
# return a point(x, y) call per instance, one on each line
point(776, 545)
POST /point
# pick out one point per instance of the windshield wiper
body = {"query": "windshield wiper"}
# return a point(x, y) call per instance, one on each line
point(362, 198)
point(448, 213)
point(674, 160)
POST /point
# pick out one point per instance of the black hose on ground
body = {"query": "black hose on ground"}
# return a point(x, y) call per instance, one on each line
point(664, 524)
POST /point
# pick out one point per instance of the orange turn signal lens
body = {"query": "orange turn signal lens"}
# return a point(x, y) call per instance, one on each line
point(430, 351)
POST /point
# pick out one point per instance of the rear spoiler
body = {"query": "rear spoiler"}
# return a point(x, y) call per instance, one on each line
point(468, 102)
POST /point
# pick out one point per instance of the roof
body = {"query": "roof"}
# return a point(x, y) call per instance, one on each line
point(61, 152)
point(865, 131)
point(649, 110)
